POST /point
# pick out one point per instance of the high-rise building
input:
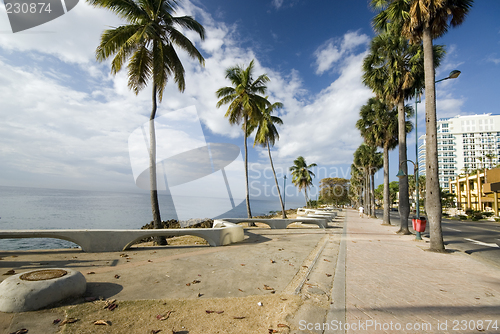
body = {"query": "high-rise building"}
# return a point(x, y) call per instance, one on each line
point(465, 143)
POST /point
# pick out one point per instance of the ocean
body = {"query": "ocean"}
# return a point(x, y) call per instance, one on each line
point(39, 208)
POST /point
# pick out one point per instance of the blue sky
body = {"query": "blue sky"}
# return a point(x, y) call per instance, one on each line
point(65, 121)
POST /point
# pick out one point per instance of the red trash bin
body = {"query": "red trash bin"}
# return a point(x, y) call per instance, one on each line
point(419, 224)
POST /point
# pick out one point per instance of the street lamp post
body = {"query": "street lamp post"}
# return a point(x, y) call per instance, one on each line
point(453, 75)
point(401, 173)
point(415, 173)
point(284, 191)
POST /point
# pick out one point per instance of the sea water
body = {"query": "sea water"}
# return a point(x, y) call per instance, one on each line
point(24, 208)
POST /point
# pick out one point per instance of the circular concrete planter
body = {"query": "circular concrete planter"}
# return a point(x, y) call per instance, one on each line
point(36, 289)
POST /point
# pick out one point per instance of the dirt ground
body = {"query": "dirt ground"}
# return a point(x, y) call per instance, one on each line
point(183, 316)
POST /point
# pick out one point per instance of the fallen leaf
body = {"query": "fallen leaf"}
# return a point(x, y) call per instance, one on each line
point(195, 281)
point(102, 322)
point(188, 284)
point(326, 260)
point(112, 307)
point(56, 321)
point(266, 287)
point(20, 331)
point(238, 317)
point(123, 255)
point(240, 290)
point(155, 331)
point(272, 261)
point(200, 294)
point(283, 325)
point(10, 272)
point(150, 261)
point(117, 276)
point(68, 321)
point(90, 273)
point(305, 267)
point(272, 331)
point(164, 316)
point(329, 275)
point(242, 264)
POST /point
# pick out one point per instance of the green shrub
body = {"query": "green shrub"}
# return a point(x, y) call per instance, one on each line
point(488, 214)
point(462, 217)
point(469, 212)
point(445, 214)
point(497, 219)
point(477, 216)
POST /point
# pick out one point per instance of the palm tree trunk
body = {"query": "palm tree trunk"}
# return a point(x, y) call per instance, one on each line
point(404, 202)
point(249, 212)
point(152, 172)
point(276, 180)
point(432, 198)
point(386, 219)
point(305, 196)
point(373, 195)
point(367, 193)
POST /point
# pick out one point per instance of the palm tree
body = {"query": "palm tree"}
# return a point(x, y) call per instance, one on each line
point(368, 161)
point(148, 42)
point(394, 71)
point(302, 175)
point(245, 104)
point(422, 21)
point(490, 157)
point(266, 136)
point(356, 185)
point(379, 127)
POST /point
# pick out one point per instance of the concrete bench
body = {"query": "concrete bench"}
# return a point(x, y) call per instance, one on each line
point(222, 233)
point(281, 223)
point(315, 213)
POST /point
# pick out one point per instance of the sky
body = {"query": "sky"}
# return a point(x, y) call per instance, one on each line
point(65, 120)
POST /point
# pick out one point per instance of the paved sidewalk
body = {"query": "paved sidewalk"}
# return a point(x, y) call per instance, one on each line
point(392, 279)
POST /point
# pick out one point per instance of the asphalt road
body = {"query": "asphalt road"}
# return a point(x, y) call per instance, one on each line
point(476, 238)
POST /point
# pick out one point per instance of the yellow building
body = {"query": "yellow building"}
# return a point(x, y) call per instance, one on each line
point(481, 198)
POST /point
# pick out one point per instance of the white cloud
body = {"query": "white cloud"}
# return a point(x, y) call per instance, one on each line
point(277, 3)
point(335, 49)
point(54, 131)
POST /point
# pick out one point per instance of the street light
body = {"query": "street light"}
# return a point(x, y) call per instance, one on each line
point(401, 173)
point(453, 75)
point(284, 191)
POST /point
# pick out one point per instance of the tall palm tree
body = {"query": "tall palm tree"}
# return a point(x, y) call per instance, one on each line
point(302, 175)
point(356, 185)
point(368, 161)
point(379, 126)
point(245, 104)
point(394, 71)
point(148, 43)
point(422, 21)
point(266, 136)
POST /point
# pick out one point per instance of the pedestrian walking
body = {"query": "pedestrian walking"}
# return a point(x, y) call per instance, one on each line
point(361, 210)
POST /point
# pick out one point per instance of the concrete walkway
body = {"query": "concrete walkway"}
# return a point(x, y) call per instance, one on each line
point(393, 282)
